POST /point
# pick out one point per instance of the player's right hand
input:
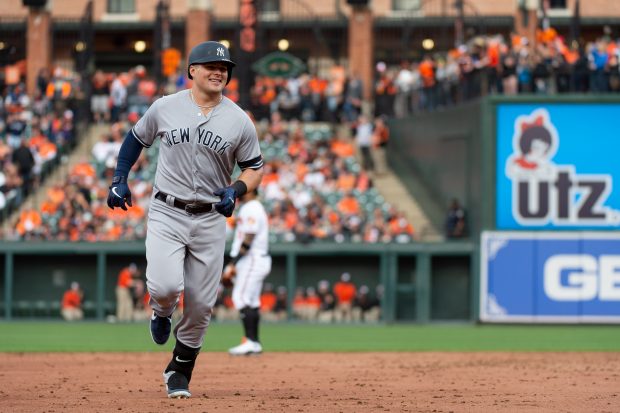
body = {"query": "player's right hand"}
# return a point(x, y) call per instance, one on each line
point(119, 193)
point(228, 275)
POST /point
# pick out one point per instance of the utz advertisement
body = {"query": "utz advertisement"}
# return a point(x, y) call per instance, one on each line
point(550, 277)
point(557, 166)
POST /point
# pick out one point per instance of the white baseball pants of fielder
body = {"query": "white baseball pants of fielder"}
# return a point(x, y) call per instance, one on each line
point(251, 272)
point(184, 253)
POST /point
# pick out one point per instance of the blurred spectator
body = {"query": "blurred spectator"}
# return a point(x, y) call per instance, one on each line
point(24, 160)
point(365, 307)
point(59, 90)
point(71, 307)
point(345, 291)
point(268, 301)
point(280, 310)
point(363, 138)
point(380, 138)
point(118, 96)
point(104, 153)
point(29, 222)
point(353, 97)
point(455, 220)
point(327, 303)
point(124, 296)
point(309, 308)
point(385, 91)
point(141, 307)
point(15, 127)
point(100, 100)
point(404, 85)
point(224, 310)
point(298, 304)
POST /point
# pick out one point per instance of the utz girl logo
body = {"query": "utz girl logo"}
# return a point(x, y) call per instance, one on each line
point(546, 193)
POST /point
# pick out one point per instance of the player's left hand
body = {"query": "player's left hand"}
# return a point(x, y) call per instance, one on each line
point(228, 197)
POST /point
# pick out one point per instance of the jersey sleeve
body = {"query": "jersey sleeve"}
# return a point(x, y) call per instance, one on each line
point(145, 131)
point(248, 152)
point(249, 223)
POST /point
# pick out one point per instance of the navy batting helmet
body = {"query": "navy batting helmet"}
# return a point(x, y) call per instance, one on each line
point(210, 51)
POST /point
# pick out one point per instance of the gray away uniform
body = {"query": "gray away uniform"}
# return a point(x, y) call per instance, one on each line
point(197, 155)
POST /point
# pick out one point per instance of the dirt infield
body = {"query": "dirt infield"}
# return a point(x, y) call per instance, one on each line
point(316, 382)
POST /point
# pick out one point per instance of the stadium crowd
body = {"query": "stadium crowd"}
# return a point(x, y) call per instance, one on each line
point(314, 187)
point(34, 131)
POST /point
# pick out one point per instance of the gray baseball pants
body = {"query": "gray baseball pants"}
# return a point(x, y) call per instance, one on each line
point(184, 253)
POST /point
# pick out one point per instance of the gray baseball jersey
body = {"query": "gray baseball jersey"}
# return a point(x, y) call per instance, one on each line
point(197, 155)
point(197, 152)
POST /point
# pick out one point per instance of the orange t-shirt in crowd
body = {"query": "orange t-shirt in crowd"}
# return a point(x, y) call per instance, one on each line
point(346, 182)
point(268, 301)
point(397, 228)
point(298, 300)
point(36, 141)
point(363, 182)
point(47, 150)
point(342, 149)
point(344, 292)
point(348, 205)
point(269, 178)
point(295, 147)
point(71, 299)
point(48, 207)
point(314, 301)
point(83, 169)
point(56, 195)
point(28, 219)
point(427, 72)
point(228, 302)
point(381, 135)
point(124, 278)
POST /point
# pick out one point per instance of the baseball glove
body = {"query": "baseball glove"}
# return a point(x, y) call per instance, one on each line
point(228, 276)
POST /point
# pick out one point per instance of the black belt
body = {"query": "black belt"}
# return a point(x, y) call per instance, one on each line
point(189, 207)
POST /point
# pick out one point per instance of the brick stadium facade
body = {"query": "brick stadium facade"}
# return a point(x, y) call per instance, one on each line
point(320, 31)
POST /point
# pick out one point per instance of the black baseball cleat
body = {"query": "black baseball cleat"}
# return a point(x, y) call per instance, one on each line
point(160, 328)
point(177, 385)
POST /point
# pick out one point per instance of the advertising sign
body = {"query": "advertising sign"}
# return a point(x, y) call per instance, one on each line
point(557, 166)
point(550, 277)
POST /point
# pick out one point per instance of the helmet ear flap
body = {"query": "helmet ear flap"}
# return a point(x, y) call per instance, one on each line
point(229, 74)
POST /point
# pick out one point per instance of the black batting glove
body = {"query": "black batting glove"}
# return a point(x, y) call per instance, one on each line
point(228, 197)
point(119, 193)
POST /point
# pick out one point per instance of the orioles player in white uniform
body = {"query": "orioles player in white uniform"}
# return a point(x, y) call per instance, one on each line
point(203, 136)
point(252, 264)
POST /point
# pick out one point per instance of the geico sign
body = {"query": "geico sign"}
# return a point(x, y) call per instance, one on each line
point(586, 277)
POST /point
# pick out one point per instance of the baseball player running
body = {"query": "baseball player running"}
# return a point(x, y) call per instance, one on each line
point(203, 134)
point(251, 263)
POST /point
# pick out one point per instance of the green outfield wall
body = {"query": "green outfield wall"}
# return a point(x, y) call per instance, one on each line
point(422, 281)
point(450, 153)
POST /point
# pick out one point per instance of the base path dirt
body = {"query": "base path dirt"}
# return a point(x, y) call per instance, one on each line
point(315, 382)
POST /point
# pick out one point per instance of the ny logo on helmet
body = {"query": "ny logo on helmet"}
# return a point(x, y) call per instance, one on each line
point(220, 51)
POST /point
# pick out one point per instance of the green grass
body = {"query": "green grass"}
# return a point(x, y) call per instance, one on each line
point(93, 336)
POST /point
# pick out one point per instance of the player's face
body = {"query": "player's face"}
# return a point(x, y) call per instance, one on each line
point(211, 77)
